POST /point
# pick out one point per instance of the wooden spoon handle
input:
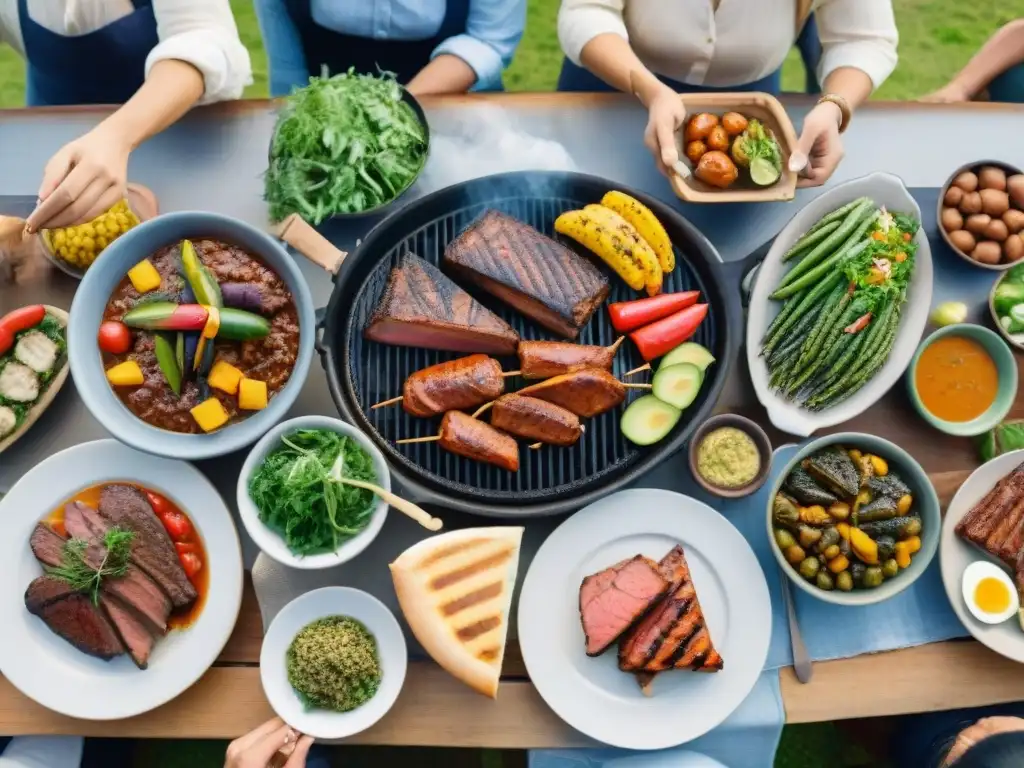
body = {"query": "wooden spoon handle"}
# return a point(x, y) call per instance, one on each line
point(310, 243)
point(417, 513)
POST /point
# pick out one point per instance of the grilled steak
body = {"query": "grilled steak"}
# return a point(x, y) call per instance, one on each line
point(535, 419)
point(586, 393)
point(994, 523)
point(45, 590)
point(130, 629)
point(613, 600)
point(549, 283)
point(83, 522)
point(451, 386)
point(423, 308)
point(47, 545)
point(152, 549)
point(674, 633)
point(463, 435)
point(74, 618)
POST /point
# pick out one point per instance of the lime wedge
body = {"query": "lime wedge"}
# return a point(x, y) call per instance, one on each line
point(763, 172)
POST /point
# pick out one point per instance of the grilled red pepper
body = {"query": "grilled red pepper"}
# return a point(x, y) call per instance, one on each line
point(167, 316)
point(658, 338)
point(630, 315)
point(19, 320)
point(859, 324)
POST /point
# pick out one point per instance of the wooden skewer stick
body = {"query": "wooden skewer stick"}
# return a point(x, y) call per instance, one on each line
point(638, 386)
point(506, 374)
point(392, 401)
point(535, 446)
point(644, 367)
point(408, 440)
point(482, 408)
point(618, 343)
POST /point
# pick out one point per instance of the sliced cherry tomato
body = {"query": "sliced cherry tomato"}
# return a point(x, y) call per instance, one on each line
point(114, 337)
point(177, 525)
point(191, 563)
point(185, 547)
point(159, 504)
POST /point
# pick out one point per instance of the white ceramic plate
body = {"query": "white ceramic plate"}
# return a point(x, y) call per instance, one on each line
point(955, 554)
point(47, 668)
point(592, 694)
point(885, 189)
point(318, 604)
point(268, 539)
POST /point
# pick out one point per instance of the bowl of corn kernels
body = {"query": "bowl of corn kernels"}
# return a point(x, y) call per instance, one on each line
point(74, 249)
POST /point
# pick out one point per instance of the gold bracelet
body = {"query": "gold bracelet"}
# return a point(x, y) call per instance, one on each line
point(844, 108)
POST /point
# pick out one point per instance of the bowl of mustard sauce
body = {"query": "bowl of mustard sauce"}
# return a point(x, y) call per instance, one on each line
point(730, 456)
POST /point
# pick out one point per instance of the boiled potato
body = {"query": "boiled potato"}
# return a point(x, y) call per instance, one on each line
point(734, 123)
point(963, 240)
point(1013, 248)
point(996, 230)
point(715, 168)
point(967, 181)
point(971, 203)
point(1015, 186)
point(994, 202)
point(987, 252)
point(718, 139)
point(953, 196)
point(952, 219)
point(695, 150)
point(1014, 220)
point(991, 177)
point(700, 125)
point(977, 223)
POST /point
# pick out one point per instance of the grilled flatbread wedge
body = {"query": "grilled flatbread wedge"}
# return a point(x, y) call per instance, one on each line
point(456, 592)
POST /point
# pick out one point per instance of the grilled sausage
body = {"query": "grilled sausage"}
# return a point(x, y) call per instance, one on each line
point(586, 393)
point(535, 419)
point(478, 440)
point(543, 359)
point(463, 383)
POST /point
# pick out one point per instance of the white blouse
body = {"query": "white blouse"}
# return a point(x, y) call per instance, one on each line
point(199, 32)
point(740, 42)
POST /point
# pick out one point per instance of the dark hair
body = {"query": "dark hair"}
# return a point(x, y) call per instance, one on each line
point(1002, 750)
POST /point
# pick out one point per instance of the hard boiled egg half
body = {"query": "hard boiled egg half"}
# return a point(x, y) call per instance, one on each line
point(989, 593)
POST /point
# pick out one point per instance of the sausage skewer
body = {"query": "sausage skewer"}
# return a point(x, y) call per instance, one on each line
point(535, 419)
point(451, 386)
point(544, 359)
point(474, 439)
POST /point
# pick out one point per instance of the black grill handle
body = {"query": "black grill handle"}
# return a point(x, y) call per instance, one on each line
point(320, 314)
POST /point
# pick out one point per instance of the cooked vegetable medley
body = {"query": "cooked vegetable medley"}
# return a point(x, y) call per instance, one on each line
point(844, 520)
point(843, 303)
point(343, 144)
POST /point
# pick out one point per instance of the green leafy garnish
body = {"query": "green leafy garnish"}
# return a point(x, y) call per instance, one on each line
point(299, 493)
point(78, 573)
point(343, 144)
point(882, 270)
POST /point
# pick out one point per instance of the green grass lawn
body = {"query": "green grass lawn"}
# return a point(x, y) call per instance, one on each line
point(937, 38)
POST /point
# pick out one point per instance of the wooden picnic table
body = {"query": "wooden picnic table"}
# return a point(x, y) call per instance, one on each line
point(213, 159)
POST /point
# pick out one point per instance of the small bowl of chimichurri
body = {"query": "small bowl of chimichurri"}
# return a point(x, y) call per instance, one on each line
point(730, 456)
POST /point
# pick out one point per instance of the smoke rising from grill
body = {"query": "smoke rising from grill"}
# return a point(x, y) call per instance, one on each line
point(485, 141)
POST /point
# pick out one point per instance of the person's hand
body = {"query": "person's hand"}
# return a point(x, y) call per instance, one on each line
point(665, 116)
point(258, 747)
point(972, 734)
point(84, 179)
point(951, 93)
point(820, 147)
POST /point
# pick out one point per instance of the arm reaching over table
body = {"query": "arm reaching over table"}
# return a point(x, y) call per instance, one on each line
point(1003, 51)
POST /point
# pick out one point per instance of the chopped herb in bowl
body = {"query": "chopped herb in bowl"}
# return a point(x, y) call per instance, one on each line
point(345, 144)
point(333, 664)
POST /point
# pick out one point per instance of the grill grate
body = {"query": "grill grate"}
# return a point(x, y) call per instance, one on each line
point(376, 372)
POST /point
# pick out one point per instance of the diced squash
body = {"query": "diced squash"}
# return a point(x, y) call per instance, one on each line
point(144, 276)
point(212, 322)
point(126, 374)
point(904, 503)
point(913, 544)
point(864, 547)
point(252, 394)
point(902, 554)
point(844, 530)
point(210, 415)
point(881, 466)
point(839, 563)
point(225, 377)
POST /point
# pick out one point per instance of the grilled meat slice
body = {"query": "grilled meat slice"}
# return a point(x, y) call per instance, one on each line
point(544, 359)
point(423, 308)
point(463, 435)
point(549, 283)
point(994, 523)
point(535, 419)
point(74, 618)
point(451, 386)
point(47, 545)
point(152, 549)
point(1018, 579)
point(613, 600)
point(586, 393)
point(134, 635)
point(674, 634)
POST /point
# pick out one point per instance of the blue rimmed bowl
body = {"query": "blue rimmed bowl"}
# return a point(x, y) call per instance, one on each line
point(1006, 366)
point(87, 313)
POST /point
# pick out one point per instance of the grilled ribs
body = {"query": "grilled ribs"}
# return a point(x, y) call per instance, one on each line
point(549, 283)
point(421, 307)
point(995, 523)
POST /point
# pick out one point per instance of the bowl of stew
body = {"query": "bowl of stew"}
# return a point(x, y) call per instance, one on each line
point(192, 336)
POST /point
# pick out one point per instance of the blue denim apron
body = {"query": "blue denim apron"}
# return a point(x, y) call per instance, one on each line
point(102, 67)
point(340, 51)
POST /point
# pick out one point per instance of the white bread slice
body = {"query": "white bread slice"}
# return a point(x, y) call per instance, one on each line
point(455, 590)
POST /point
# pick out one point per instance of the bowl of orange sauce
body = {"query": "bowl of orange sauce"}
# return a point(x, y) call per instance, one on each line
point(963, 379)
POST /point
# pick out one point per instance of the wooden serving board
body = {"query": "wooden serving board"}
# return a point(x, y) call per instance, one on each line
point(51, 391)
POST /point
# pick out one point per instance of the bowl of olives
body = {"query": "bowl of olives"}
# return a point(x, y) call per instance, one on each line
point(853, 519)
point(981, 214)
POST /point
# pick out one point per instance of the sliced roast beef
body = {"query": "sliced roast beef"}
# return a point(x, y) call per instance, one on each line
point(47, 545)
point(74, 618)
point(613, 600)
point(76, 523)
point(152, 550)
point(45, 590)
point(130, 628)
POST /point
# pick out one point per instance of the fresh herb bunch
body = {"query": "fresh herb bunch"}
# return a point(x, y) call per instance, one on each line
point(298, 492)
point(343, 144)
point(81, 575)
